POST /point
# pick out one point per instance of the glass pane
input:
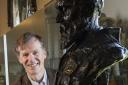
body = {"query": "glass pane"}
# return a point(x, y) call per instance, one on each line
point(2, 65)
point(53, 36)
point(32, 24)
point(36, 24)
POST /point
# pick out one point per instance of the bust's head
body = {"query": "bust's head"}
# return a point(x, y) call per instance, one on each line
point(74, 15)
point(69, 10)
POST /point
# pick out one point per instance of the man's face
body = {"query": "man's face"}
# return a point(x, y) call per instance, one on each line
point(32, 56)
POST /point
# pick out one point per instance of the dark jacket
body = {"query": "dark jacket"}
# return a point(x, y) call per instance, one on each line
point(23, 80)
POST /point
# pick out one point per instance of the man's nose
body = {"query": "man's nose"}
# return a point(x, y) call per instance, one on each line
point(31, 57)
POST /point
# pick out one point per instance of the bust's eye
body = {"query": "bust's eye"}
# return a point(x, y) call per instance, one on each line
point(35, 52)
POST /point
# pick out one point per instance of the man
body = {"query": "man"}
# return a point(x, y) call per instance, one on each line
point(32, 54)
point(90, 49)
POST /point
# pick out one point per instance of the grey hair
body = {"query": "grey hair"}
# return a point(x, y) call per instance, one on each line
point(24, 38)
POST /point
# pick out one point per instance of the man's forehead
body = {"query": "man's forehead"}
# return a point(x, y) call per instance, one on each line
point(25, 50)
point(31, 44)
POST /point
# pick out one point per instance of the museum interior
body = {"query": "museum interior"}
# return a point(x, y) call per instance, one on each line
point(39, 16)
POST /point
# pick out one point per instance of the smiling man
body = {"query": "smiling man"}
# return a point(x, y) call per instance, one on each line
point(32, 54)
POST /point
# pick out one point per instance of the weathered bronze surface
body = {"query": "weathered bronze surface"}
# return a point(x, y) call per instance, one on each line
point(90, 49)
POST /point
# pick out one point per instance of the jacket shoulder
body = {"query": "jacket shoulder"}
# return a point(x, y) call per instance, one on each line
point(22, 80)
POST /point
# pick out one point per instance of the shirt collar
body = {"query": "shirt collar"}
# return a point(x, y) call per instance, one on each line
point(43, 82)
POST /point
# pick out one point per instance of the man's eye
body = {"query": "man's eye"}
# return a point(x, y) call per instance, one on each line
point(25, 54)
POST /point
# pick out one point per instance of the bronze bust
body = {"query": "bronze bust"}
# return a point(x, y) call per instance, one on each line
point(90, 49)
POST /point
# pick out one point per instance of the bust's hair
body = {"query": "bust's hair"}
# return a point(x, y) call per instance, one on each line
point(83, 7)
point(75, 16)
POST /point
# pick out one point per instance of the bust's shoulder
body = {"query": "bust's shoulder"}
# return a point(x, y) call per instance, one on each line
point(113, 31)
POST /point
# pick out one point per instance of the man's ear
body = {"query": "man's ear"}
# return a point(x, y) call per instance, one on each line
point(19, 59)
point(17, 55)
point(45, 53)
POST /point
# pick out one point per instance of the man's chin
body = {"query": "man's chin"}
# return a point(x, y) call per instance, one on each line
point(32, 72)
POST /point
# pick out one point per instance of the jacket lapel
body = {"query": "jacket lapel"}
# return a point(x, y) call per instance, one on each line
point(26, 80)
